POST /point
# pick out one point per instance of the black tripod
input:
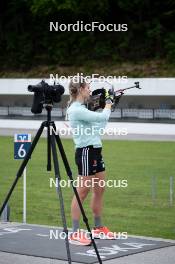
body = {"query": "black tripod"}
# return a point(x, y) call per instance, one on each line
point(53, 139)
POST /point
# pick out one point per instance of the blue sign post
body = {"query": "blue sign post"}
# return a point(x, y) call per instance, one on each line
point(22, 143)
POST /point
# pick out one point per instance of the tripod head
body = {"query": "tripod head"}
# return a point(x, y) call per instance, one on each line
point(48, 108)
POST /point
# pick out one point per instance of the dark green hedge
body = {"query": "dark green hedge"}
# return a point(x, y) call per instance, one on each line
point(25, 39)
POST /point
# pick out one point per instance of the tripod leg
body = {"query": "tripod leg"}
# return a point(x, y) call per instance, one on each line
point(48, 149)
point(69, 173)
point(59, 191)
point(23, 165)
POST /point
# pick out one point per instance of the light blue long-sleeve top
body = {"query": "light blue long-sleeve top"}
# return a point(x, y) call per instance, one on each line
point(87, 126)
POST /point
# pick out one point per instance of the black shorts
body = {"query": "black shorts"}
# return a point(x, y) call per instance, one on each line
point(89, 160)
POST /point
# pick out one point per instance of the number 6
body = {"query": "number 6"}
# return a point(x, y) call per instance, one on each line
point(21, 151)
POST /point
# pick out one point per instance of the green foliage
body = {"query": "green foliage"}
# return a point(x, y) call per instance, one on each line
point(170, 47)
point(40, 7)
point(25, 39)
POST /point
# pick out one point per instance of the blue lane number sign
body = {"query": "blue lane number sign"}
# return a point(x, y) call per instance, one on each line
point(22, 143)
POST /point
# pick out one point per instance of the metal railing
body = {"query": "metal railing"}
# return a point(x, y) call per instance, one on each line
point(118, 113)
point(26, 111)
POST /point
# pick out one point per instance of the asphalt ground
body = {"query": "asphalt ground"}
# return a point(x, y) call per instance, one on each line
point(157, 256)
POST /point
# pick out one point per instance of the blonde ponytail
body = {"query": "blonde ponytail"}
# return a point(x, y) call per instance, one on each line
point(74, 89)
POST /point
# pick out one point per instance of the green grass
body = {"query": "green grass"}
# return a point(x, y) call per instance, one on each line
point(128, 209)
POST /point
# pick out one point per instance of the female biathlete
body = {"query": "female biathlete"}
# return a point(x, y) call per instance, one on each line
point(88, 158)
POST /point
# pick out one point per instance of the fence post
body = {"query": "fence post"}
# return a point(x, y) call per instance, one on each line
point(121, 112)
point(171, 190)
point(153, 113)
